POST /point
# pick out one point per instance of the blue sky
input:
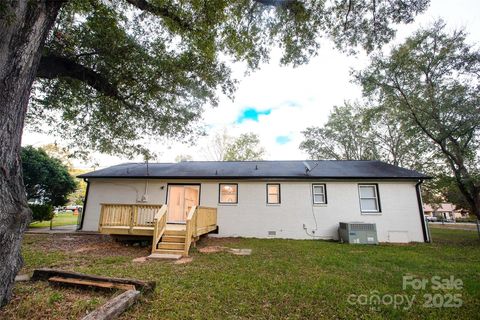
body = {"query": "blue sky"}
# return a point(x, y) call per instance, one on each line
point(282, 139)
point(251, 114)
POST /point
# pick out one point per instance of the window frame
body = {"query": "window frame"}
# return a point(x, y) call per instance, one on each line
point(279, 193)
point(377, 198)
point(324, 185)
point(220, 192)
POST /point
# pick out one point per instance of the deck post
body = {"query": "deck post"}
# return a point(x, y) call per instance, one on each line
point(102, 209)
point(133, 217)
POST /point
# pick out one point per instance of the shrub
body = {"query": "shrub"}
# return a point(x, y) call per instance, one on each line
point(471, 218)
point(41, 212)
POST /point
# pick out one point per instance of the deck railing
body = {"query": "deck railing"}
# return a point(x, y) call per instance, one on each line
point(205, 220)
point(199, 221)
point(190, 229)
point(160, 225)
point(128, 215)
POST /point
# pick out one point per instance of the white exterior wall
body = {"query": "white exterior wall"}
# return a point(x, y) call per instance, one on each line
point(399, 220)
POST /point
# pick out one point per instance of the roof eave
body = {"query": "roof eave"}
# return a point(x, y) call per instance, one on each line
point(257, 177)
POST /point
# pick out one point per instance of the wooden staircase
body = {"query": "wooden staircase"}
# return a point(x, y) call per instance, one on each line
point(172, 242)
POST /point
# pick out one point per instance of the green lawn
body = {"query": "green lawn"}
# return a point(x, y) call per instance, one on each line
point(282, 279)
point(61, 219)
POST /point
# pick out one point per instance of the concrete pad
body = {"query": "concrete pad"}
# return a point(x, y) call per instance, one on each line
point(22, 277)
point(167, 256)
point(212, 249)
point(241, 252)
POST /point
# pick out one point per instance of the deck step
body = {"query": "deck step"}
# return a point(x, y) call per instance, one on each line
point(164, 256)
point(171, 245)
point(175, 233)
point(168, 251)
point(177, 239)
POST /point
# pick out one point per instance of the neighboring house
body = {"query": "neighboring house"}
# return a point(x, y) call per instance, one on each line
point(264, 199)
point(446, 211)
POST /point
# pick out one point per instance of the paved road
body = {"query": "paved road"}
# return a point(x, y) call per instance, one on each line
point(61, 229)
point(457, 226)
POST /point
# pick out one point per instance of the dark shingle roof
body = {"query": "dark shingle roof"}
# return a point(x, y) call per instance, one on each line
point(328, 169)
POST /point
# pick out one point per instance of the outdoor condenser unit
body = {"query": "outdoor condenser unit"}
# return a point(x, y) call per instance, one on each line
point(358, 232)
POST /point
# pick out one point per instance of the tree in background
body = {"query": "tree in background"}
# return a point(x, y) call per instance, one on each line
point(216, 148)
point(109, 73)
point(444, 189)
point(58, 152)
point(357, 132)
point(47, 180)
point(345, 136)
point(183, 158)
point(245, 147)
point(433, 81)
point(61, 153)
point(77, 197)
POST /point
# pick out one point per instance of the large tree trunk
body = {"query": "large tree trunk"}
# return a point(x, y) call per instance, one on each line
point(24, 25)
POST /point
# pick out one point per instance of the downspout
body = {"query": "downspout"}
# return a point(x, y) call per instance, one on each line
point(426, 237)
point(80, 227)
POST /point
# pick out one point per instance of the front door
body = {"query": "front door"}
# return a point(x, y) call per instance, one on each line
point(181, 198)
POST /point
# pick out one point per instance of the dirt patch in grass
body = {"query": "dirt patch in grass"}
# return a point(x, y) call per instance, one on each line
point(184, 260)
point(212, 249)
point(96, 245)
point(39, 300)
point(213, 241)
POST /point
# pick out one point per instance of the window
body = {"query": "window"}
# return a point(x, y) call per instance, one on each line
point(369, 201)
point(319, 193)
point(228, 193)
point(273, 193)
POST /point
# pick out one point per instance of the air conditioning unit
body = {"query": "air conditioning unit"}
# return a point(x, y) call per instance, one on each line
point(358, 232)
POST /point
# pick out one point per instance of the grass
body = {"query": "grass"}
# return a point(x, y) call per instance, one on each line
point(61, 219)
point(282, 279)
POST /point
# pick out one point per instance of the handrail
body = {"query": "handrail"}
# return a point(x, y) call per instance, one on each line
point(160, 224)
point(132, 204)
point(190, 228)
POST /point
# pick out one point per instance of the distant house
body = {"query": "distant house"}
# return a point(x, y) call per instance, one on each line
point(446, 211)
point(263, 199)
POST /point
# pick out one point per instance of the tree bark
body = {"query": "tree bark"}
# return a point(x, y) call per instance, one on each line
point(24, 26)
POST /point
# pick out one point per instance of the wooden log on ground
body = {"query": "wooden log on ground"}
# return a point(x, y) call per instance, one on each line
point(45, 274)
point(114, 307)
point(91, 283)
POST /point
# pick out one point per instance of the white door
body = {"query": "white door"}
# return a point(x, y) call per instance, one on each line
point(181, 198)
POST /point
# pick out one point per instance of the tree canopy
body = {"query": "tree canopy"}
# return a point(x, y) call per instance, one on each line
point(46, 179)
point(245, 147)
point(345, 136)
point(432, 81)
point(115, 72)
point(360, 132)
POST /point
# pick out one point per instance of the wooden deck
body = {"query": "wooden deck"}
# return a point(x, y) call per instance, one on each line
point(151, 220)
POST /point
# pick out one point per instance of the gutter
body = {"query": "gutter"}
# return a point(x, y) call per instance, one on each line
point(80, 227)
point(300, 178)
point(426, 236)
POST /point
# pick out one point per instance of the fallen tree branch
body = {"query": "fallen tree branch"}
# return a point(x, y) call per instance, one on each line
point(114, 307)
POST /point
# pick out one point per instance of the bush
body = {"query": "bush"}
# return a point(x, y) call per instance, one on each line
point(471, 218)
point(41, 212)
